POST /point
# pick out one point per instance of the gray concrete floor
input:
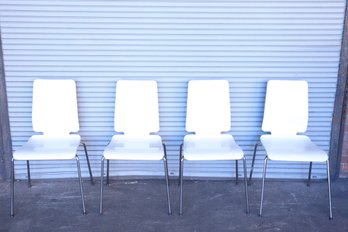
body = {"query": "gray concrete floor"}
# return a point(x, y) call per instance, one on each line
point(140, 205)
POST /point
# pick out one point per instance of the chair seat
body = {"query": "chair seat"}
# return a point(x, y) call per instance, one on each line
point(43, 147)
point(292, 148)
point(217, 147)
point(124, 147)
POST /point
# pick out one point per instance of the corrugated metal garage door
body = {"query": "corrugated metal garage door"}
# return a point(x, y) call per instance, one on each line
point(98, 42)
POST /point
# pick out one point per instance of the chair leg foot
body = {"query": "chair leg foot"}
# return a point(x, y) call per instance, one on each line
point(88, 164)
point(28, 173)
point(167, 179)
point(81, 185)
point(181, 184)
point(309, 174)
point(329, 188)
point(253, 162)
point(107, 172)
point(263, 184)
point(101, 187)
point(236, 172)
point(12, 188)
point(180, 157)
point(246, 186)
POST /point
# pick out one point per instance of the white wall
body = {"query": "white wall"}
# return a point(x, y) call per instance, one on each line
point(97, 43)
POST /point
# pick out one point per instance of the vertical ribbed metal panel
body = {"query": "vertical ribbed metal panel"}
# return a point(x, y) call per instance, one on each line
point(97, 43)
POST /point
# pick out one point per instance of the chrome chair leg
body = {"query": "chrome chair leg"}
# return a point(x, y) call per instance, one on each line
point(28, 171)
point(246, 186)
point(236, 171)
point(180, 163)
point(88, 163)
point(107, 172)
point(309, 174)
point(253, 162)
point(167, 179)
point(181, 183)
point(101, 186)
point(329, 185)
point(12, 187)
point(81, 185)
point(263, 184)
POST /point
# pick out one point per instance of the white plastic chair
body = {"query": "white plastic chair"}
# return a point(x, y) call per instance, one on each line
point(286, 115)
point(137, 117)
point(208, 116)
point(54, 115)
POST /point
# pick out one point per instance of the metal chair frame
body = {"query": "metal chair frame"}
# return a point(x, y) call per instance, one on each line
point(137, 118)
point(210, 123)
point(181, 174)
point(43, 89)
point(300, 127)
point(165, 163)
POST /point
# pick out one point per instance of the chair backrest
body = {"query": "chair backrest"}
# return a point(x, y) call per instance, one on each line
point(286, 107)
point(54, 110)
point(136, 107)
point(208, 107)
